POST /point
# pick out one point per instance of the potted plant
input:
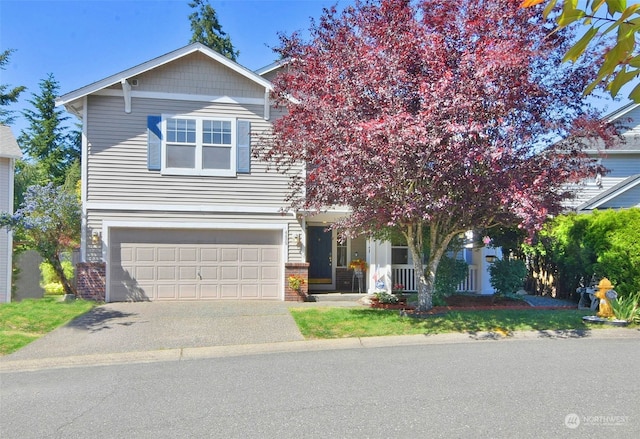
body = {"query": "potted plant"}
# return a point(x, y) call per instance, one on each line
point(296, 282)
point(358, 265)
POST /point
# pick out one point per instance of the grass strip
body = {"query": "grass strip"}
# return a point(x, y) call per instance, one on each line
point(317, 323)
point(27, 320)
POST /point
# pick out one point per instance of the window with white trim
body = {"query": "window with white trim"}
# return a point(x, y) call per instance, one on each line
point(199, 146)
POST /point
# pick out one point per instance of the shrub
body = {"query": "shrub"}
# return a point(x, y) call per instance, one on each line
point(627, 308)
point(49, 279)
point(507, 275)
point(607, 243)
point(384, 297)
point(53, 288)
point(450, 273)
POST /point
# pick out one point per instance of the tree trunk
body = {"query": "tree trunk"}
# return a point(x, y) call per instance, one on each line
point(57, 267)
point(425, 281)
point(423, 284)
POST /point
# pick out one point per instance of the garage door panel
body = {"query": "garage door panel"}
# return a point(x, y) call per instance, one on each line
point(167, 254)
point(229, 273)
point(229, 255)
point(145, 254)
point(250, 291)
point(209, 273)
point(187, 291)
point(188, 273)
point(269, 291)
point(250, 273)
point(123, 254)
point(208, 255)
point(249, 255)
point(209, 291)
point(143, 274)
point(269, 273)
point(194, 265)
point(229, 291)
point(166, 273)
point(189, 254)
point(270, 255)
point(165, 291)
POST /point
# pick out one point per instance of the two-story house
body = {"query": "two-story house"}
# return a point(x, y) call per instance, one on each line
point(176, 205)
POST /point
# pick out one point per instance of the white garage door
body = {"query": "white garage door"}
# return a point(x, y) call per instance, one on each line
point(164, 264)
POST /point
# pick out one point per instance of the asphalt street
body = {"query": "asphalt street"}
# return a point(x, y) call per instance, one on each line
point(551, 387)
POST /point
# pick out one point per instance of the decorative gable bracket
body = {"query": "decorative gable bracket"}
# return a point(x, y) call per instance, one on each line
point(126, 91)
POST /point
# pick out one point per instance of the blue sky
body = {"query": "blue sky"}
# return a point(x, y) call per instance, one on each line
point(82, 41)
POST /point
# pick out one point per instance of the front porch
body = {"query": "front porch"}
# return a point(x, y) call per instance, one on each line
point(387, 263)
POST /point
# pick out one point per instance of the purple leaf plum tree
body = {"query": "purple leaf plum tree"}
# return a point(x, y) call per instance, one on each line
point(431, 116)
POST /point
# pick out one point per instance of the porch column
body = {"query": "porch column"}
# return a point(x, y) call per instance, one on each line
point(379, 260)
point(484, 277)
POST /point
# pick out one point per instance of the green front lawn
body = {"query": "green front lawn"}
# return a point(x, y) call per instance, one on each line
point(349, 322)
point(24, 321)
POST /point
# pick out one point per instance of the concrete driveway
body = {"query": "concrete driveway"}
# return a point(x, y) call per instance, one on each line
point(152, 326)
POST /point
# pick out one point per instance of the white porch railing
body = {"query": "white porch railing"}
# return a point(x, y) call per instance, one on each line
point(403, 274)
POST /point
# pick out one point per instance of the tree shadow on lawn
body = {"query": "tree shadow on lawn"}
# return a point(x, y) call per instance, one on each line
point(492, 324)
point(100, 318)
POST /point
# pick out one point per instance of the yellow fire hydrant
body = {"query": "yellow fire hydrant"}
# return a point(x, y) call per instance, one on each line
point(605, 293)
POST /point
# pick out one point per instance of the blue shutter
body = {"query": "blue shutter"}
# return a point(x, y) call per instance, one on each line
point(154, 142)
point(243, 146)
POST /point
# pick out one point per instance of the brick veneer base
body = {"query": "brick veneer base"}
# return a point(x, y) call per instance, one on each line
point(300, 269)
point(90, 280)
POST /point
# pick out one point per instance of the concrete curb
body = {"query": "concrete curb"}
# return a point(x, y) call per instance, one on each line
point(305, 346)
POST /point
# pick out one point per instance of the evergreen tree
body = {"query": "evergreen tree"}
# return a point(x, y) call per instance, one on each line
point(7, 95)
point(207, 29)
point(47, 141)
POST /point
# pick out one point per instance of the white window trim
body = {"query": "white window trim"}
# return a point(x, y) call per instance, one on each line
point(198, 170)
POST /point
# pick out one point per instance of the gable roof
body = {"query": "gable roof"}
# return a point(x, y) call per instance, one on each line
point(611, 193)
point(271, 67)
point(617, 114)
point(627, 119)
point(157, 62)
point(8, 146)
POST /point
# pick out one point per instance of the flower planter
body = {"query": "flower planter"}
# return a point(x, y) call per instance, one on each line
point(402, 304)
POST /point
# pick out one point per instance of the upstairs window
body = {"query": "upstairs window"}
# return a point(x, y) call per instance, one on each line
point(180, 145)
point(195, 146)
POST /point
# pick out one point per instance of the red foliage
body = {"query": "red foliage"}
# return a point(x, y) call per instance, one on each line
point(407, 113)
point(433, 112)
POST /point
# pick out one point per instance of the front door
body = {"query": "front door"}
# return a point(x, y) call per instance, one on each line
point(319, 256)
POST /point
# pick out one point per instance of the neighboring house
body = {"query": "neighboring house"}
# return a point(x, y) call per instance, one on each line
point(177, 207)
point(9, 152)
point(619, 187)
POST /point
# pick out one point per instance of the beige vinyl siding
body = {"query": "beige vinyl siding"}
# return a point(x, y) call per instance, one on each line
point(196, 74)
point(117, 145)
point(5, 249)
point(621, 166)
point(95, 219)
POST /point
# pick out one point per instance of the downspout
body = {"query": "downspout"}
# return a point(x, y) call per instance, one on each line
point(84, 182)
